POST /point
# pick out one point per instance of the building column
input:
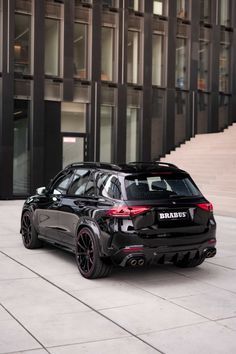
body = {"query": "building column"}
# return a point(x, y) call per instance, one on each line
point(7, 102)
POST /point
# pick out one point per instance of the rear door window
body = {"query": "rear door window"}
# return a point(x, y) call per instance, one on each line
point(79, 182)
point(159, 186)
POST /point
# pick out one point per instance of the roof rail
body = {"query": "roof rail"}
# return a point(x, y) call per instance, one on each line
point(165, 164)
point(152, 163)
point(95, 164)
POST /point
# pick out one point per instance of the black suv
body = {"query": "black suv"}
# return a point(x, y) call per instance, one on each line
point(128, 215)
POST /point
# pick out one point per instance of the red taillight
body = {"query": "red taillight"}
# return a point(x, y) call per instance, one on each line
point(125, 211)
point(206, 206)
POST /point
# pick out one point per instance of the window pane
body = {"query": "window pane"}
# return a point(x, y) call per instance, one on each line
point(73, 117)
point(108, 186)
point(181, 74)
point(22, 88)
point(205, 11)
point(136, 5)
point(224, 12)
point(157, 124)
point(106, 125)
point(79, 182)
point(107, 53)
point(150, 186)
point(52, 47)
point(158, 59)
point(181, 111)
point(52, 90)
point(158, 7)
point(80, 50)
point(132, 134)
point(110, 3)
point(73, 150)
point(21, 147)
point(203, 113)
point(182, 9)
point(22, 44)
point(224, 102)
point(53, 9)
point(133, 57)
point(224, 70)
point(204, 59)
point(23, 6)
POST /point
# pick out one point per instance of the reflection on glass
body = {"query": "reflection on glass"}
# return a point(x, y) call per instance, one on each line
point(205, 11)
point(158, 59)
point(80, 50)
point(110, 3)
point(23, 6)
point(52, 90)
point(224, 102)
point(157, 124)
point(181, 63)
point(224, 12)
point(22, 88)
point(132, 134)
point(22, 43)
point(224, 82)
point(180, 117)
point(21, 147)
point(204, 60)
point(158, 7)
point(51, 58)
point(182, 9)
point(107, 50)
point(133, 57)
point(106, 128)
point(73, 117)
point(202, 113)
point(135, 5)
point(72, 150)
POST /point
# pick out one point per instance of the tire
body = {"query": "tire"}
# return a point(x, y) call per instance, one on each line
point(190, 263)
point(29, 234)
point(90, 265)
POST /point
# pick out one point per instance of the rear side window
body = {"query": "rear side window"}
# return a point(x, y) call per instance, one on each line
point(108, 185)
point(150, 186)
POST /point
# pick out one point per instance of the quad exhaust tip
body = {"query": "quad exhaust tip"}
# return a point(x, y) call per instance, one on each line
point(210, 252)
point(133, 262)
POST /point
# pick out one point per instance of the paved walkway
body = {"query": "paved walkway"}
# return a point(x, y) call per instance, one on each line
point(47, 307)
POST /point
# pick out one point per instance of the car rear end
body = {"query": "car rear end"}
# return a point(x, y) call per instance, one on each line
point(163, 218)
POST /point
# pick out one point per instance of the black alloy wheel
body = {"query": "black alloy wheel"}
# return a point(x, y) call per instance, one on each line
point(90, 264)
point(29, 234)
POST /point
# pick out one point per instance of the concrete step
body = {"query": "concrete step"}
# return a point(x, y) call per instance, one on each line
point(211, 161)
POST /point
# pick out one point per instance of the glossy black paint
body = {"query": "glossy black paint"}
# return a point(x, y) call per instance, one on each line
point(58, 218)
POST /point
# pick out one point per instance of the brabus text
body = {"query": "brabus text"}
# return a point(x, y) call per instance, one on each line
point(175, 215)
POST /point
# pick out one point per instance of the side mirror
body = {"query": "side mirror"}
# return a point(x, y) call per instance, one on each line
point(41, 190)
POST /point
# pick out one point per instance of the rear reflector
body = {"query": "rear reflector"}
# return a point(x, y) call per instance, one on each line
point(130, 249)
point(206, 206)
point(125, 211)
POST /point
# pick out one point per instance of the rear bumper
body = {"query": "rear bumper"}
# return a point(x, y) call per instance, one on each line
point(161, 250)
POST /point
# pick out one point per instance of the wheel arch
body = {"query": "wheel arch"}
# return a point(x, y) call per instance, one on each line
point(94, 227)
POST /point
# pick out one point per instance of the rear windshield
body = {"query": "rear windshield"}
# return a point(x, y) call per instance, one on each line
point(151, 186)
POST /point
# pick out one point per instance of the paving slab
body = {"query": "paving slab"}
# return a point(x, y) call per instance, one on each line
point(13, 337)
point(201, 338)
point(129, 345)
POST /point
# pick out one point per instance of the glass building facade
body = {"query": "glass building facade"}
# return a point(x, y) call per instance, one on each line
point(112, 81)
